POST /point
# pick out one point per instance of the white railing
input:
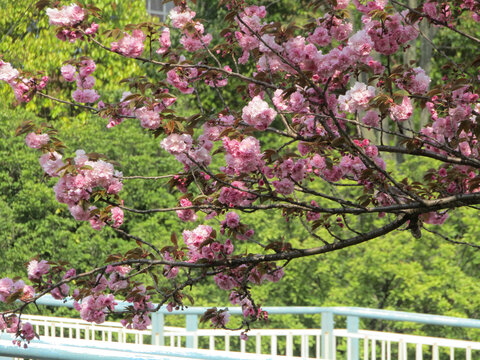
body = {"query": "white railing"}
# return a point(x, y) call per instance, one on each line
point(109, 331)
point(292, 343)
point(306, 344)
point(386, 346)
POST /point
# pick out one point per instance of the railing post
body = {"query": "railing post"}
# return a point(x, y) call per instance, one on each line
point(192, 325)
point(352, 327)
point(158, 322)
point(328, 346)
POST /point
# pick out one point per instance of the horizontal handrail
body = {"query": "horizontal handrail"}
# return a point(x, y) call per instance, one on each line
point(47, 349)
point(41, 320)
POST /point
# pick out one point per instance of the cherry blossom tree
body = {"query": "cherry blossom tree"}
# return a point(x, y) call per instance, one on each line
point(338, 103)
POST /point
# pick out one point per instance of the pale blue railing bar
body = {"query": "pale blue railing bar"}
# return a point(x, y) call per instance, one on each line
point(352, 314)
point(53, 349)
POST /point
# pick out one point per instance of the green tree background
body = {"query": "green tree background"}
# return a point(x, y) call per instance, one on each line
point(428, 275)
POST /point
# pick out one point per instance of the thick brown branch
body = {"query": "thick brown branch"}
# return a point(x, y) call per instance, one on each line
point(413, 207)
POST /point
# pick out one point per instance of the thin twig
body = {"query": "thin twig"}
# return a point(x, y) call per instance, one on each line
point(446, 238)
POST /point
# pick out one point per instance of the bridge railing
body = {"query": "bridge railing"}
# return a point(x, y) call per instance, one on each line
point(326, 342)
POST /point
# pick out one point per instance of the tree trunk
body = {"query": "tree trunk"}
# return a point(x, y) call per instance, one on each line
point(426, 53)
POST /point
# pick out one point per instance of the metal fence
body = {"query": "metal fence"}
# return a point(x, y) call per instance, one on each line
point(325, 342)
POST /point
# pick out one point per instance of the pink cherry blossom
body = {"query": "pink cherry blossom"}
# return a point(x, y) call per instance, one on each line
point(176, 144)
point(258, 114)
point(85, 96)
point(243, 156)
point(149, 119)
point(180, 17)
point(197, 236)
point(180, 81)
point(60, 292)
point(360, 43)
point(232, 219)
point(402, 111)
point(371, 118)
point(130, 45)
point(28, 292)
point(416, 81)
point(86, 83)
point(284, 186)
point(7, 72)
point(141, 322)
point(232, 196)
point(28, 333)
point(340, 30)
point(342, 4)
point(93, 308)
point(225, 282)
point(51, 163)
point(68, 72)
point(22, 89)
point(320, 36)
point(164, 40)
point(169, 272)
point(369, 5)
point(117, 216)
point(186, 215)
point(36, 269)
point(36, 141)
point(319, 162)
point(6, 285)
point(357, 98)
point(195, 42)
point(435, 218)
point(66, 16)
point(92, 29)
point(86, 67)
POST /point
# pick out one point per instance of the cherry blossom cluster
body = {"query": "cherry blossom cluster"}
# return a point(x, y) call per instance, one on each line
point(76, 188)
point(200, 247)
point(187, 151)
point(11, 290)
point(81, 73)
point(92, 308)
point(149, 116)
point(142, 307)
point(446, 119)
point(70, 22)
point(130, 45)
point(23, 330)
point(23, 88)
point(164, 41)
point(389, 35)
point(8, 287)
point(80, 180)
point(193, 38)
point(232, 226)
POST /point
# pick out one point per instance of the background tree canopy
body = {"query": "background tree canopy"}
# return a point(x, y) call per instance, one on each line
point(428, 275)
